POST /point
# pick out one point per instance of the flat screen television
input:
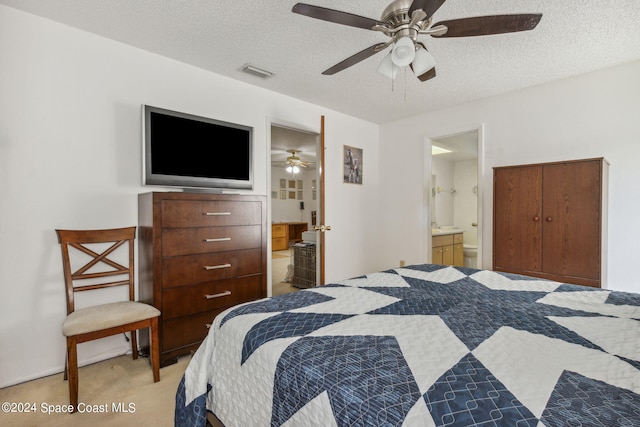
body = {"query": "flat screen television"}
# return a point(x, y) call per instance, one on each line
point(187, 151)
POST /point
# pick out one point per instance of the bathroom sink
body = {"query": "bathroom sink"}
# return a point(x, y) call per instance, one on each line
point(446, 230)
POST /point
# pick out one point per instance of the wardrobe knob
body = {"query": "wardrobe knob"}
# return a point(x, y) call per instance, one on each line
point(536, 218)
point(548, 219)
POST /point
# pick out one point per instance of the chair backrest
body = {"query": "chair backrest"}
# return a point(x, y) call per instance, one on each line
point(99, 268)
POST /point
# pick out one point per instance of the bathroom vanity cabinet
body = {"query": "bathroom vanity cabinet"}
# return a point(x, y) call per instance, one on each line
point(549, 220)
point(447, 249)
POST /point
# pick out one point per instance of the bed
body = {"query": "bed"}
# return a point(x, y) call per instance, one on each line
point(424, 345)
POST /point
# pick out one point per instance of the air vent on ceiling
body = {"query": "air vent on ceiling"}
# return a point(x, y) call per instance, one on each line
point(257, 71)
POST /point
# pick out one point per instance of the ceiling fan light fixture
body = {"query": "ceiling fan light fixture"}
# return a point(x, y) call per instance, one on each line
point(423, 62)
point(388, 68)
point(404, 51)
point(293, 169)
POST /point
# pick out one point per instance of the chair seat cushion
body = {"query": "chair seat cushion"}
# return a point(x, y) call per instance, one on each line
point(106, 316)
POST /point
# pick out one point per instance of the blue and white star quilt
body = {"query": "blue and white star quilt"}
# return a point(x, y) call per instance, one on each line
point(425, 345)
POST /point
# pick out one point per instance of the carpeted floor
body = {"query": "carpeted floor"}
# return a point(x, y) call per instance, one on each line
point(280, 261)
point(276, 255)
point(109, 386)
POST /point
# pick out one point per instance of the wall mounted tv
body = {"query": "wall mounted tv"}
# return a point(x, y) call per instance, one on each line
point(183, 150)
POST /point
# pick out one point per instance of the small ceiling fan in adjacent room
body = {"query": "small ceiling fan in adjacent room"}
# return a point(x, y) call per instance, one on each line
point(403, 21)
point(294, 163)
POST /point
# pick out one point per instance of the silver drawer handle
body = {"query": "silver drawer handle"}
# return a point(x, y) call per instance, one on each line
point(221, 239)
point(215, 267)
point(217, 213)
point(221, 294)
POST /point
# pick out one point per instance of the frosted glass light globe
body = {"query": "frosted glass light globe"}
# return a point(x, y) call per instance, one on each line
point(403, 52)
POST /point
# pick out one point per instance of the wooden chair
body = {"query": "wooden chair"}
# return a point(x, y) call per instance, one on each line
point(99, 271)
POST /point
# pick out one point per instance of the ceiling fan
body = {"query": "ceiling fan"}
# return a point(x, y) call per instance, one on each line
point(403, 21)
point(294, 160)
point(294, 163)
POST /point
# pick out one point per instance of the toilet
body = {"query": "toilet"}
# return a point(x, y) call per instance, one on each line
point(470, 255)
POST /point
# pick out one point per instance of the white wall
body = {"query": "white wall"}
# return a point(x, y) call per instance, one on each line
point(465, 200)
point(352, 210)
point(70, 157)
point(593, 115)
point(443, 171)
point(288, 210)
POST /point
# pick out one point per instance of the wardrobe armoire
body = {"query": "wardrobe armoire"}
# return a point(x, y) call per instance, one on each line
point(549, 220)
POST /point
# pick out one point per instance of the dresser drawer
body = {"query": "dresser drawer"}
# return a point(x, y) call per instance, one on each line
point(279, 244)
point(187, 241)
point(279, 230)
point(183, 331)
point(185, 300)
point(193, 269)
point(203, 213)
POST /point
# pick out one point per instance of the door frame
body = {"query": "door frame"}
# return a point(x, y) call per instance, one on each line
point(319, 132)
point(320, 149)
point(479, 129)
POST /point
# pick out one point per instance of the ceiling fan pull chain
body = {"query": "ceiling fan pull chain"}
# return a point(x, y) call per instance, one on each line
point(405, 84)
point(393, 85)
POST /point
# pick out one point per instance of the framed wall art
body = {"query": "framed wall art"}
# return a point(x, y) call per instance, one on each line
point(352, 170)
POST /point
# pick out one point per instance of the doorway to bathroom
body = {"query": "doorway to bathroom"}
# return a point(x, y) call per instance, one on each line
point(454, 168)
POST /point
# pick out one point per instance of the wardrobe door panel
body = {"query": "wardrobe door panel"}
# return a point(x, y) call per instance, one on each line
point(517, 218)
point(571, 215)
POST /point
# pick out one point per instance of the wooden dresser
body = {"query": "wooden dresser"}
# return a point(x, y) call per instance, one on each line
point(279, 237)
point(284, 234)
point(198, 254)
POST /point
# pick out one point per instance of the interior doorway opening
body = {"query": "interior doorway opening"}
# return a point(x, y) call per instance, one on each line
point(294, 207)
point(453, 181)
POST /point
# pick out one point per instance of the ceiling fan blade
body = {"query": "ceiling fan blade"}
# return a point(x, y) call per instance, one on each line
point(486, 25)
point(428, 6)
point(354, 59)
point(336, 16)
point(428, 75)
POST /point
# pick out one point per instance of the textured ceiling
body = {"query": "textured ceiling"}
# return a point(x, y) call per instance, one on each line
point(574, 37)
